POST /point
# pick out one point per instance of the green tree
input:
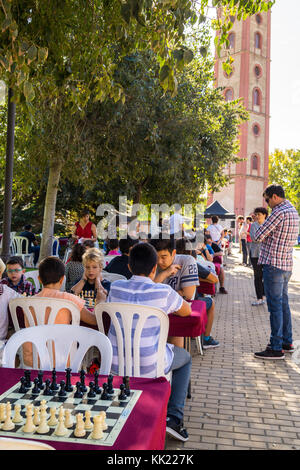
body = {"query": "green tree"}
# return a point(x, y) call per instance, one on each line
point(284, 169)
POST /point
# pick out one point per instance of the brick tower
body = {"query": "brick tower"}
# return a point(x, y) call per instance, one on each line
point(250, 80)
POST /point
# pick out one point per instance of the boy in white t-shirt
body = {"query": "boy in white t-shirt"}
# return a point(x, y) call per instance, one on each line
point(216, 230)
point(6, 294)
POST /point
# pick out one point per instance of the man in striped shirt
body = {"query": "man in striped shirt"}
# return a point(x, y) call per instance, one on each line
point(278, 235)
point(141, 289)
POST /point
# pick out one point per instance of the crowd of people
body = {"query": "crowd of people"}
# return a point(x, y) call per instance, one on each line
point(168, 273)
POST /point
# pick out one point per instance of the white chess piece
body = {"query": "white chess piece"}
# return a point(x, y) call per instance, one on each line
point(97, 432)
point(36, 416)
point(79, 430)
point(61, 430)
point(43, 427)
point(8, 424)
point(2, 412)
point(103, 418)
point(68, 419)
point(88, 423)
point(52, 420)
point(29, 427)
point(17, 416)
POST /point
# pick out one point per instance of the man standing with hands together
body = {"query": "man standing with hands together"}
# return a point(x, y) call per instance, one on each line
point(278, 235)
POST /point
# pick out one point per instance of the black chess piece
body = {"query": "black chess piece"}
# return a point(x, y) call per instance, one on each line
point(35, 390)
point(40, 378)
point(48, 391)
point(78, 393)
point(28, 379)
point(23, 388)
point(69, 387)
point(82, 381)
point(62, 392)
point(91, 393)
point(127, 386)
point(105, 395)
point(122, 395)
point(96, 379)
point(110, 389)
point(54, 385)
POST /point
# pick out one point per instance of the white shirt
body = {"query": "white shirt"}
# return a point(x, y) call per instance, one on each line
point(6, 294)
point(176, 221)
point(215, 231)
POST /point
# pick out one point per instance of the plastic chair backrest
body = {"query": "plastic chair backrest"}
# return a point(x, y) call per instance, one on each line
point(126, 344)
point(33, 275)
point(111, 277)
point(39, 305)
point(67, 254)
point(20, 244)
point(55, 247)
point(64, 337)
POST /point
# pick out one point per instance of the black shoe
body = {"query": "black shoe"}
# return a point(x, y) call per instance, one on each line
point(176, 430)
point(285, 348)
point(269, 354)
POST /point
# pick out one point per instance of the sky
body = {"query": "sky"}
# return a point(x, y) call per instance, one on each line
point(285, 75)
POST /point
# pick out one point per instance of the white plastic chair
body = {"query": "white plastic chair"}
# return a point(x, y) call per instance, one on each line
point(67, 254)
point(63, 337)
point(33, 275)
point(111, 277)
point(55, 253)
point(126, 344)
point(20, 244)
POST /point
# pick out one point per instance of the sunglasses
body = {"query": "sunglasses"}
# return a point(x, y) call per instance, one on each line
point(14, 270)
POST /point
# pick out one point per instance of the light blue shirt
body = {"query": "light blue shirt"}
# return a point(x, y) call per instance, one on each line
point(143, 291)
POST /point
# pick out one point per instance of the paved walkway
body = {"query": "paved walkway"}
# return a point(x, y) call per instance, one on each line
point(239, 402)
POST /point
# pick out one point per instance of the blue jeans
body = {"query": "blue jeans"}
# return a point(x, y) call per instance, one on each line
point(181, 370)
point(276, 291)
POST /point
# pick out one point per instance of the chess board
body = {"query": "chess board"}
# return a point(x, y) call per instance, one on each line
point(116, 411)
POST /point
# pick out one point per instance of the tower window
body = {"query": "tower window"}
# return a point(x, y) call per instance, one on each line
point(258, 71)
point(257, 99)
point(229, 94)
point(258, 19)
point(257, 40)
point(254, 162)
point(231, 39)
point(256, 130)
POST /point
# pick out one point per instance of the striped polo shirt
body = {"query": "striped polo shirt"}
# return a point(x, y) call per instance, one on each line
point(143, 291)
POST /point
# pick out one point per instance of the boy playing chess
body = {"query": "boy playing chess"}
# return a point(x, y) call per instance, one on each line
point(51, 275)
point(92, 281)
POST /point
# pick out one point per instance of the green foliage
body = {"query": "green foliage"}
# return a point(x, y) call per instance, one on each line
point(284, 169)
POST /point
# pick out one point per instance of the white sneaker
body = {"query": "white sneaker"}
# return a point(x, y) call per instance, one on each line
point(258, 302)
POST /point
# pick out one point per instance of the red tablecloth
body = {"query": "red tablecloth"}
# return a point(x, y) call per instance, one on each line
point(191, 326)
point(145, 427)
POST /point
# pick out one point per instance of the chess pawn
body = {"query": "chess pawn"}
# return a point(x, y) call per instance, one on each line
point(29, 427)
point(68, 419)
point(61, 430)
point(103, 418)
point(52, 421)
point(88, 423)
point(36, 416)
point(8, 424)
point(17, 416)
point(97, 432)
point(43, 427)
point(2, 412)
point(79, 430)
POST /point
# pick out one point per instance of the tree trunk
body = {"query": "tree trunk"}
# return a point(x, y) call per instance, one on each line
point(49, 210)
point(10, 139)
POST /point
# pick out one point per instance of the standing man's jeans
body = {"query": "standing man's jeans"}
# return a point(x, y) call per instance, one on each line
point(276, 291)
point(181, 369)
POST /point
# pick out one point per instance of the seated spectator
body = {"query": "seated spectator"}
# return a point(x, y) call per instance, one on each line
point(113, 246)
point(205, 275)
point(91, 280)
point(33, 246)
point(119, 264)
point(88, 244)
point(74, 268)
point(215, 251)
point(6, 294)
point(51, 275)
point(179, 271)
point(141, 289)
point(15, 277)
